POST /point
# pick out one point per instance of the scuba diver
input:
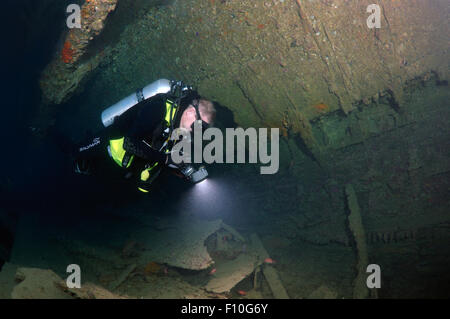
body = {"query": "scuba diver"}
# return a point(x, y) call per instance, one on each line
point(138, 131)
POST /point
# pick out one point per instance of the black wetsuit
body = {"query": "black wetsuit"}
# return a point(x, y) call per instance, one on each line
point(141, 126)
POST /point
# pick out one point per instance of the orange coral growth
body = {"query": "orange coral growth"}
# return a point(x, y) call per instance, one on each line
point(321, 107)
point(152, 268)
point(67, 53)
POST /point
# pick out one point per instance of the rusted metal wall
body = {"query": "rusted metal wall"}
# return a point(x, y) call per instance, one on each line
point(64, 74)
point(283, 63)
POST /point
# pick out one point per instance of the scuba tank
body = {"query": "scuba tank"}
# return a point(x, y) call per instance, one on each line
point(159, 86)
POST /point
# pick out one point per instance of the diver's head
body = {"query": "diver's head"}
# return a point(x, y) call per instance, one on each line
point(198, 109)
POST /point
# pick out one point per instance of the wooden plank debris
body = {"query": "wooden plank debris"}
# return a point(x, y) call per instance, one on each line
point(269, 271)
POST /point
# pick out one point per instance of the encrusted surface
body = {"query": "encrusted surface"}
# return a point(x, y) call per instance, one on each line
point(181, 244)
point(65, 73)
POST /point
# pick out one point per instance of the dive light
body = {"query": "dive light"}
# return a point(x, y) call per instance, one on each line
point(193, 175)
point(199, 175)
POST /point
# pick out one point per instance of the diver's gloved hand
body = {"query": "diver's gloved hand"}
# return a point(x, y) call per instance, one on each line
point(169, 162)
point(193, 175)
point(185, 169)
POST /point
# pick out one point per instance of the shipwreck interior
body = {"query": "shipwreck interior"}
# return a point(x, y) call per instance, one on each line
point(363, 117)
